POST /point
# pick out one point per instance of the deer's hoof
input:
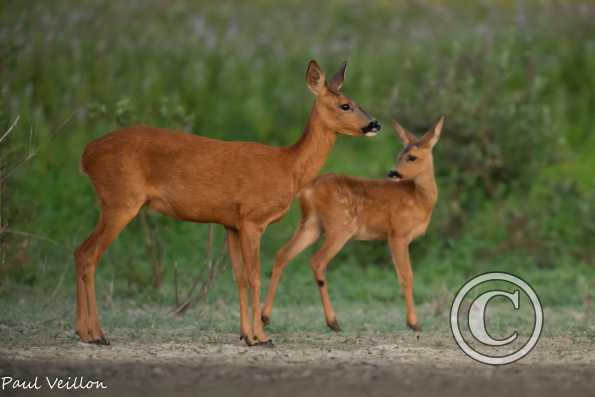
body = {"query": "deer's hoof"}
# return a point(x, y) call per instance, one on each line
point(250, 341)
point(100, 342)
point(268, 344)
point(334, 325)
point(414, 327)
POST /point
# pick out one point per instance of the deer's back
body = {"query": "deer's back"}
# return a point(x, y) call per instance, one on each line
point(189, 176)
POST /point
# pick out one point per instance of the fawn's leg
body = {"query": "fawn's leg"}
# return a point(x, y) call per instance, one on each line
point(331, 247)
point(400, 253)
point(87, 256)
point(250, 235)
point(307, 233)
point(239, 271)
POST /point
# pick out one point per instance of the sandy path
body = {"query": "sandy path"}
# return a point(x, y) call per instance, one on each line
point(303, 365)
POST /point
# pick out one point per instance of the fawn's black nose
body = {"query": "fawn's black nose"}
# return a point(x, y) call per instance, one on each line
point(394, 174)
point(372, 128)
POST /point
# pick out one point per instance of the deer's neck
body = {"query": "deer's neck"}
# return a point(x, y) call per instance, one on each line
point(426, 190)
point(311, 151)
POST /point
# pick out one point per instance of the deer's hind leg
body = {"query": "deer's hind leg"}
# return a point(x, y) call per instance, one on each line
point(241, 278)
point(112, 220)
point(308, 232)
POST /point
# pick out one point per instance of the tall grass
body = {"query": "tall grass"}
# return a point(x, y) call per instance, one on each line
point(515, 165)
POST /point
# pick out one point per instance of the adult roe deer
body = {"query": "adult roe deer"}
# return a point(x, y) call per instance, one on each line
point(245, 186)
point(346, 208)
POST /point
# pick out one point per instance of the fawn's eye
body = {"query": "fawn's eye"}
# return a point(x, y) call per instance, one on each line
point(411, 158)
point(345, 107)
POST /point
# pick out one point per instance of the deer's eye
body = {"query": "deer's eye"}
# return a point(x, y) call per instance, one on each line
point(411, 158)
point(345, 107)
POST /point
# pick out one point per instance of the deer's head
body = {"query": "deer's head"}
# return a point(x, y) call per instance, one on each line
point(416, 157)
point(337, 112)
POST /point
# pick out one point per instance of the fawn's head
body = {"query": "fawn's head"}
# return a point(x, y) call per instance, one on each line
point(339, 113)
point(416, 157)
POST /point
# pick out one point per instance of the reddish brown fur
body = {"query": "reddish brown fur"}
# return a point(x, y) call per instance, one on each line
point(347, 208)
point(244, 186)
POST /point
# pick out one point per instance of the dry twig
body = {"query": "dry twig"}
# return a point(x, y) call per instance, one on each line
point(153, 249)
point(10, 128)
point(207, 275)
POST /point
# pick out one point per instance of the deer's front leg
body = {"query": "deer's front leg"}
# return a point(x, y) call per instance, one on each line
point(250, 235)
point(400, 254)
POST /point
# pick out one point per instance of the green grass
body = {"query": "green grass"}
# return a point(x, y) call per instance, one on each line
point(515, 164)
point(27, 314)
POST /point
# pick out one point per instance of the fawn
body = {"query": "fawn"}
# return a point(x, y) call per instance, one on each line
point(244, 186)
point(397, 210)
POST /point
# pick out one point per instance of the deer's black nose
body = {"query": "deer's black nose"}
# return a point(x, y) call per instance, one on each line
point(372, 128)
point(394, 174)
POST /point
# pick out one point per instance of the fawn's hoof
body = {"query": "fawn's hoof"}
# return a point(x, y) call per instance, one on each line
point(414, 327)
point(334, 325)
point(265, 320)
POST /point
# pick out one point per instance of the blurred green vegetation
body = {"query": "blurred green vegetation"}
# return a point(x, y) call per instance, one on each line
point(515, 165)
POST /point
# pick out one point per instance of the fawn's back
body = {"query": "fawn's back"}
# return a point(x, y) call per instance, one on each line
point(367, 209)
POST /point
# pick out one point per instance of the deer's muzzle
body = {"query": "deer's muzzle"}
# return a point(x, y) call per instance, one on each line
point(372, 128)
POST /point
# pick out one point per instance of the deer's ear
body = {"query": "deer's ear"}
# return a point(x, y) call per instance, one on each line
point(315, 78)
point(431, 137)
point(336, 82)
point(407, 137)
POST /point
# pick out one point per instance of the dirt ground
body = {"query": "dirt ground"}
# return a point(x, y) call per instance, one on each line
point(300, 364)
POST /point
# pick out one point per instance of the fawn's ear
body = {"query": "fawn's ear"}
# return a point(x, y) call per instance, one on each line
point(431, 137)
point(337, 81)
point(315, 78)
point(407, 137)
